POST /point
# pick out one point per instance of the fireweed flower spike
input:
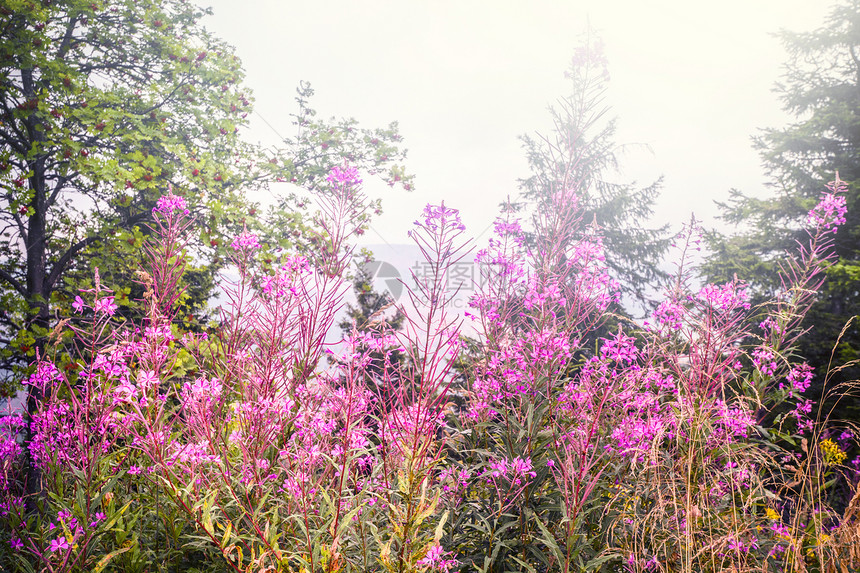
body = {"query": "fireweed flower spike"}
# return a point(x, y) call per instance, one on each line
point(346, 176)
point(169, 204)
point(246, 241)
point(439, 216)
point(553, 433)
point(829, 214)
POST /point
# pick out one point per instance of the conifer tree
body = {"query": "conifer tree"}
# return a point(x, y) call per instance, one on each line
point(821, 89)
point(581, 152)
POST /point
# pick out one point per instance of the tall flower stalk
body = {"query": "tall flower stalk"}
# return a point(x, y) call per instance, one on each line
point(685, 445)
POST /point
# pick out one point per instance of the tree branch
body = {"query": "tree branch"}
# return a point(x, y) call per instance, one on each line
point(66, 44)
point(13, 282)
point(61, 184)
point(65, 259)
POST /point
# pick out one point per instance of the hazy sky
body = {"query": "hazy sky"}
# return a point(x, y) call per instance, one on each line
point(690, 79)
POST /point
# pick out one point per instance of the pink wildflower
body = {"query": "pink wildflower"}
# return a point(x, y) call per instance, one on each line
point(147, 379)
point(620, 348)
point(770, 325)
point(246, 242)
point(435, 560)
point(831, 209)
point(346, 175)
point(169, 203)
point(800, 377)
point(669, 314)
point(161, 331)
point(106, 305)
point(764, 361)
point(503, 227)
point(438, 217)
point(46, 373)
point(729, 296)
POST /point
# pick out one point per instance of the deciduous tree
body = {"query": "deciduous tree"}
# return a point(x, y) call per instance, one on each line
point(103, 105)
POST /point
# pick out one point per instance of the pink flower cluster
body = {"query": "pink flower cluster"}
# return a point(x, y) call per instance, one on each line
point(347, 176)
point(55, 437)
point(10, 428)
point(620, 349)
point(670, 315)
point(439, 217)
point(516, 471)
point(170, 203)
point(735, 419)
point(635, 436)
point(764, 360)
point(436, 560)
point(201, 393)
point(830, 211)
point(45, 376)
point(105, 305)
point(770, 326)
point(511, 228)
point(191, 456)
point(540, 295)
point(726, 297)
point(799, 378)
point(246, 241)
point(288, 279)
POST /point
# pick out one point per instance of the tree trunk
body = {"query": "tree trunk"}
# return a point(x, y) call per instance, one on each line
point(38, 291)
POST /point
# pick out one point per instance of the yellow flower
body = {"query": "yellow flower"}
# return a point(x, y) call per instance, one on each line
point(833, 454)
point(771, 514)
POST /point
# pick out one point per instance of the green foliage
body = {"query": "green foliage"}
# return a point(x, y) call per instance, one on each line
point(307, 158)
point(821, 88)
point(528, 524)
point(105, 104)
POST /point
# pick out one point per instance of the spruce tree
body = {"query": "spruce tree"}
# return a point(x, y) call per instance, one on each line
point(820, 87)
point(581, 152)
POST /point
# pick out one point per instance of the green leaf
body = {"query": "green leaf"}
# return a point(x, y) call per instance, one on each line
point(440, 527)
point(548, 538)
point(596, 562)
point(528, 567)
point(116, 516)
point(104, 561)
point(108, 487)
